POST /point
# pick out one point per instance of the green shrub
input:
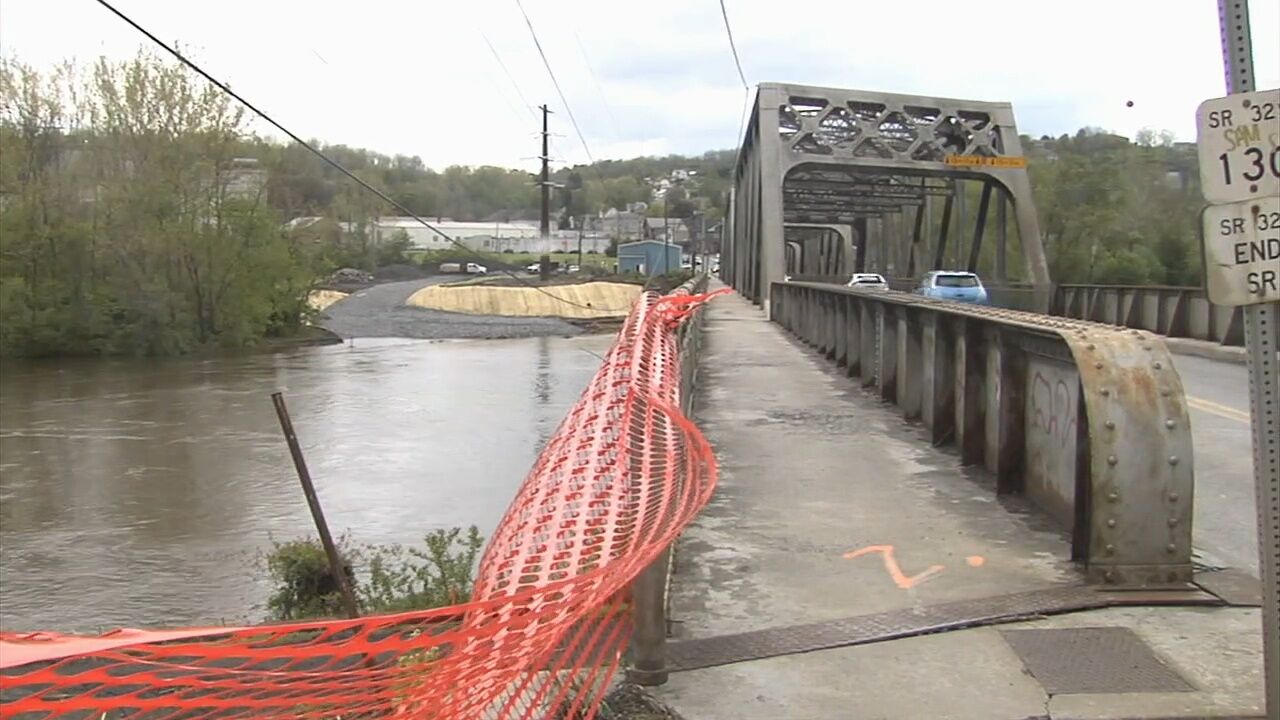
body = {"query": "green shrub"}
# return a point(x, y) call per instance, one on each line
point(304, 586)
point(391, 578)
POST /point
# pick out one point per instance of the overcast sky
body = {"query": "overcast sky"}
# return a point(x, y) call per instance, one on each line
point(658, 77)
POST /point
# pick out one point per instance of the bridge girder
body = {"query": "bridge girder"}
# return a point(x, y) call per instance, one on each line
point(873, 163)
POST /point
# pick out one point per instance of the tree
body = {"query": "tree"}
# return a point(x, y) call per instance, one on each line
point(129, 224)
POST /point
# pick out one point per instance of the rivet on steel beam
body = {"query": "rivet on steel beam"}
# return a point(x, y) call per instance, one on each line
point(1173, 497)
point(1092, 346)
point(1111, 424)
point(1171, 548)
point(1113, 497)
point(1111, 522)
point(1165, 392)
point(1109, 576)
point(1170, 423)
point(1098, 365)
point(1111, 549)
point(1157, 365)
point(1173, 459)
point(1112, 459)
point(1105, 392)
point(1173, 521)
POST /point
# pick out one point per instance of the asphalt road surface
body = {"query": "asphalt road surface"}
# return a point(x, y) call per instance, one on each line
point(379, 311)
point(1225, 530)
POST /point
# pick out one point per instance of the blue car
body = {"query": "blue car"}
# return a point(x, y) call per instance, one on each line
point(953, 285)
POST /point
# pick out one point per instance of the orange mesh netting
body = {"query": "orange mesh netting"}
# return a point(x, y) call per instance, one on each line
point(540, 638)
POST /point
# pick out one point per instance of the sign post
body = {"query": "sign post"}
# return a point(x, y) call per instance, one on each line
point(1237, 139)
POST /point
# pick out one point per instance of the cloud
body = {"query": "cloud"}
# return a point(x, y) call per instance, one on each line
point(418, 78)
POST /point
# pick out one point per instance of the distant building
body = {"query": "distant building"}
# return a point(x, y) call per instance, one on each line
point(672, 230)
point(622, 224)
point(244, 180)
point(647, 257)
point(493, 237)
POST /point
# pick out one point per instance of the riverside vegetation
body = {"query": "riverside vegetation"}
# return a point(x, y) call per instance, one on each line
point(130, 224)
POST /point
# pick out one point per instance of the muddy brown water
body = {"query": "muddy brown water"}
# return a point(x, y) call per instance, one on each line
point(142, 493)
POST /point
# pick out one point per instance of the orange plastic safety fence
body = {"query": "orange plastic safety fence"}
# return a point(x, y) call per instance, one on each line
point(541, 637)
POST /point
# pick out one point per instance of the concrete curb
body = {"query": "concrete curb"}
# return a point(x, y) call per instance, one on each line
point(1206, 349)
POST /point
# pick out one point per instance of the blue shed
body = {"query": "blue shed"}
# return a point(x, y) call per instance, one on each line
point(646, 257)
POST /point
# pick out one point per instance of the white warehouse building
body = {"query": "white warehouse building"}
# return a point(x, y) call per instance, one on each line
point(494, 237)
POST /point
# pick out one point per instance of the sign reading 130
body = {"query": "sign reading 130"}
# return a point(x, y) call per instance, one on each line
point(1239, 146)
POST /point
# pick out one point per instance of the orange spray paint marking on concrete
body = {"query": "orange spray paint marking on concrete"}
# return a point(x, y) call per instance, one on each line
point(891, 566)
point(975, 560)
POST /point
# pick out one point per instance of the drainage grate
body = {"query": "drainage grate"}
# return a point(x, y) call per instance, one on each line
point(863, 629)
point(1092, 660)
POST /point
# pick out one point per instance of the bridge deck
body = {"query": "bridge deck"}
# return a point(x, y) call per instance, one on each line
point(831, 506)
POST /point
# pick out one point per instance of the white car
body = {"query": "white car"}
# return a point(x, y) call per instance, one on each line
point(867, 281)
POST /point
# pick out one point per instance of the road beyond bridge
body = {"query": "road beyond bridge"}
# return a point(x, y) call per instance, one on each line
point(850, 565)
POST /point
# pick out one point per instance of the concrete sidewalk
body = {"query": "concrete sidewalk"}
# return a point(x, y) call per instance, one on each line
point(831, 506)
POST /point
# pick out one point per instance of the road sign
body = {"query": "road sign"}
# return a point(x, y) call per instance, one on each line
point(1008, 161)
point(1242, 251)
point(1238, 138)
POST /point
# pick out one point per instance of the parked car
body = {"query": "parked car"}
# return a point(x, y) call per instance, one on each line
point(533, 268)
point(954, 285)
point(868, 281)
point(464, 268)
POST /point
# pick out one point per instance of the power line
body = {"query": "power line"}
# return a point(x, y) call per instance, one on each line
point(527, 105)
point(741, 76)
point(514, 84)
point(596, 81)
point(225, 88)
point(568, 110)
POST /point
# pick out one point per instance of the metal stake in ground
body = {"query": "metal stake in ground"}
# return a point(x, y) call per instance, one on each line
point(317, 513)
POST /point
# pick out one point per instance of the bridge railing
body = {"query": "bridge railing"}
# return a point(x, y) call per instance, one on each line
point(1168, 310)
point(1087, 421)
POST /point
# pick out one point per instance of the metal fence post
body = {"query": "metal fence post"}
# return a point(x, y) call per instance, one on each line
point(1262, 350)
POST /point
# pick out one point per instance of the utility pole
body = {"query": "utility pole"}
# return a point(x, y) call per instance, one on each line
point(545, 181)
point(544, 224)
point(666, 238)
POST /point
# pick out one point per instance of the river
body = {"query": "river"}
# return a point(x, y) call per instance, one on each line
point(142, 493)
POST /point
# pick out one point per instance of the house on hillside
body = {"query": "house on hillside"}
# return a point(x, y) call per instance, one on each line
point(626, 225)
point(671, 230)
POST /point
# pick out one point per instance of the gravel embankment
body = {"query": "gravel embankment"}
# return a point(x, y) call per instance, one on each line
point(379, 311)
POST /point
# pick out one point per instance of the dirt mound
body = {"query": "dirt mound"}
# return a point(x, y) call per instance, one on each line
point(581, 301)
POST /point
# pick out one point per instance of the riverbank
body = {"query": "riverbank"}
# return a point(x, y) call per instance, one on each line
point(380, 311)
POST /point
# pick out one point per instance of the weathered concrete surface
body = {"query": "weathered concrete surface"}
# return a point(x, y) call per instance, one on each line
point(812, 469)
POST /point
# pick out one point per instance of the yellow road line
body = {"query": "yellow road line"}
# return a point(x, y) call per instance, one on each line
point(1214, 408)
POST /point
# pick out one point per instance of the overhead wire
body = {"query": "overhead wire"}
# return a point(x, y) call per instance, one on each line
point(330, 161)
point(563, 100)
point(528, 106)
point(732, 46)
point(599, 89)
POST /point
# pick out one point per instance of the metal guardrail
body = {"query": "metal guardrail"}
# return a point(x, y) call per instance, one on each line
point(1172, 311)
point(1088, 421)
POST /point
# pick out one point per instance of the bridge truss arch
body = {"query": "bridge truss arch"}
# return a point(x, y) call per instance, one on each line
point(873, 167)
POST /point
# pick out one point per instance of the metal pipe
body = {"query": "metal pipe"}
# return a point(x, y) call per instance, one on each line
point(336, 567)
